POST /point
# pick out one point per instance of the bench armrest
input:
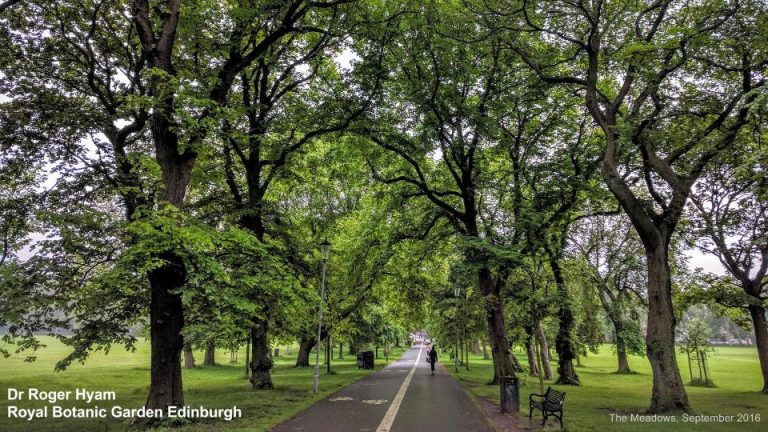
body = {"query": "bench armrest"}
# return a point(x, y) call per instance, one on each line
point(530, 397)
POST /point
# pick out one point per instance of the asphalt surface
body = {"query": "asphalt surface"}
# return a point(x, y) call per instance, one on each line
point(425, 403)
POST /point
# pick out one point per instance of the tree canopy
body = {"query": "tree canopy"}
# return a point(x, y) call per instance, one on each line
point(172, 167)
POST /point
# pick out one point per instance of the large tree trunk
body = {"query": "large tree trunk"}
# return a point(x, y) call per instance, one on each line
point(544, 350)
point(166, 318)
point(261, 357)
point(564, 345)
point(189, 359)
point(515, 363)
point(210, 354)
point(533, 369)
point(612, 310)
point(668, 389)
point(494, 309)
point(621, 349)
point(166, 314)
point(305, 347)
point(261, 363)
point(761, 340)
point(248, 353)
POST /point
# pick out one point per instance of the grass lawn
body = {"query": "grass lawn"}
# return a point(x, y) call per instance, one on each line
point(127, 374)
point(735, 371)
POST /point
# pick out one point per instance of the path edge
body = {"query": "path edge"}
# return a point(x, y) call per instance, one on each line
point(487, 408)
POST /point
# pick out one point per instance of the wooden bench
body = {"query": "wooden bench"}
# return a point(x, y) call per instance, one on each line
point(550, 403)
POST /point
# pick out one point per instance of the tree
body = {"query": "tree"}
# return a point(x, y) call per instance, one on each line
point(560, 190)
point(61, 62)
point(611, 253)
point(279, 108)
point(16, 197)
point(696, 346)
point(628, 59)
point(529, 288)
point(17, 220)
point(729, 214)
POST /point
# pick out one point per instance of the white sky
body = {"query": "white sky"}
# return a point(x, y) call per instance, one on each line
point(708, 262)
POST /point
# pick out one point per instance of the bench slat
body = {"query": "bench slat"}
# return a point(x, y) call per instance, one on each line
point(550, 403)
point(555, 396)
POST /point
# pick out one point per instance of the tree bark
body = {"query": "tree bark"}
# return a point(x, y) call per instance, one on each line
point(261, 363)
point(698, 364)
point(494, 309)
point(248, 353)
point(544, 350)
point(515, 362)
point(261, 356)
point(210, 354)
point(564, 345)
point(615, 316)
point(690, 365)
point(189, 359)
point(485, 350)
point(341, 350)
point(466, 356)
point(305, 347)
point(761, 340)
point(621, 349)
point(668, 389)
point(475, 347)
point(166, 317)
point(533, 369)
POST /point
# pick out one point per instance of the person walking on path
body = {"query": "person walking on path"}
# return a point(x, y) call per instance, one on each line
point(432, 358)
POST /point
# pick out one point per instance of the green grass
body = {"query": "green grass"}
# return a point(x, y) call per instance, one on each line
point(127, 374)
point(735, 372)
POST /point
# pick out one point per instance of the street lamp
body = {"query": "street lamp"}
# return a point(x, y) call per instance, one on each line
point(457, 293)
point(325, 248)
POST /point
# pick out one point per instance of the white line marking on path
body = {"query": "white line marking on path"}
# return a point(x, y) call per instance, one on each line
point(389, 417)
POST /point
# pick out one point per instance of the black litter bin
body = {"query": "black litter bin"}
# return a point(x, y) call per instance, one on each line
point(510, 395)
point(365, 360)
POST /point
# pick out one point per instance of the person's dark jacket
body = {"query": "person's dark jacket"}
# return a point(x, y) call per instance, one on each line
point(432, 355)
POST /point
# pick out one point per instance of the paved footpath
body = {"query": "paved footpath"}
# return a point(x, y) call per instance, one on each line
point(404, 397)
